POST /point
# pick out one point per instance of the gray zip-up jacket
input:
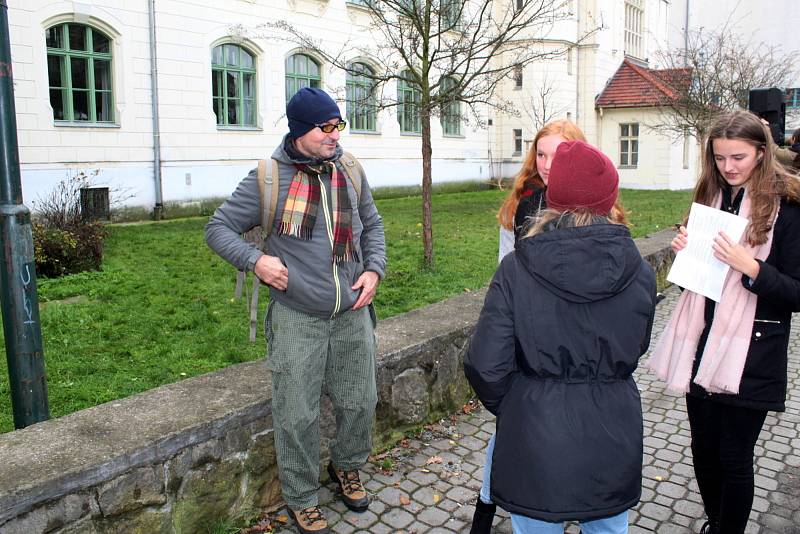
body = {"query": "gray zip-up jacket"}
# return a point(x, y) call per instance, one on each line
point(317, 285)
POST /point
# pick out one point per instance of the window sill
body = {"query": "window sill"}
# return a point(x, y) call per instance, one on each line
point(82, 124)
point(364, 132)
point(239, 128)
point(454, 136)
point(628, 167)
point(411, 134)
point(516, 154)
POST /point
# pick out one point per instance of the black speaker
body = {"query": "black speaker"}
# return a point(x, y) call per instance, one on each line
point(770, 106)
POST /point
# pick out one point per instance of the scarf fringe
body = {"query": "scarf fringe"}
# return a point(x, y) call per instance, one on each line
point(295, 230)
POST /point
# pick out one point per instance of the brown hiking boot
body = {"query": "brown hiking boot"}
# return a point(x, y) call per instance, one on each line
point(310, 520)
point(354, 496)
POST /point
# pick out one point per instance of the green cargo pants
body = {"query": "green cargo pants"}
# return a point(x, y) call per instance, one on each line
point(307, 353)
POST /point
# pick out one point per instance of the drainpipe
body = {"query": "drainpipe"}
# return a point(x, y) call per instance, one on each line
point(686, 36)
point(18, 295)
point(158, 209)
point(600, 128)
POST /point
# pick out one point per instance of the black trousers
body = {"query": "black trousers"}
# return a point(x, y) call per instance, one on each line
point(723, 440)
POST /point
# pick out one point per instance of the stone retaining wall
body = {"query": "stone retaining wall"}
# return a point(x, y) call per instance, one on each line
point(178, 458)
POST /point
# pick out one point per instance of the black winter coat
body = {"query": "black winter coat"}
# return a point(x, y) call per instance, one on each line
point(777, 285)
point(530, 204)
point(565, 320)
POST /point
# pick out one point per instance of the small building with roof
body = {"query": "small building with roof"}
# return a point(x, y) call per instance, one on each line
point(629, 111)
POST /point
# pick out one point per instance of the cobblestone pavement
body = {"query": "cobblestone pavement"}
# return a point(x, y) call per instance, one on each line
point(428, 484)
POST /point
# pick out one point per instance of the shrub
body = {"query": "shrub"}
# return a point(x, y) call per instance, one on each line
point(65, 242)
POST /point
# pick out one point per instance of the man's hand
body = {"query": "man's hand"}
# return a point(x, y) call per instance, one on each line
point(368, 283)
point(272, 272)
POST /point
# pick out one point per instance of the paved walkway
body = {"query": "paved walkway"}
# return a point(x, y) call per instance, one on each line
point(428, 484)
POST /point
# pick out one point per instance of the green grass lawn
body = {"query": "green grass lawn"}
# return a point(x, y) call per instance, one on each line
point(162, 308)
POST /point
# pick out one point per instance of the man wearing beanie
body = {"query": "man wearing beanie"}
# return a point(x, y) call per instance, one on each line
point(326, 256)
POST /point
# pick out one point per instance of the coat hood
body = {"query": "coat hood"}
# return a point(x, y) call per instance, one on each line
point(583, 264)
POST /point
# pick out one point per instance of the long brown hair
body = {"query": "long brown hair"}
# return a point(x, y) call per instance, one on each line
point(768, 181)
point(528, 175)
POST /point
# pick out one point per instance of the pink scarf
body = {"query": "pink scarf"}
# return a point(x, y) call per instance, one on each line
point(728, 340)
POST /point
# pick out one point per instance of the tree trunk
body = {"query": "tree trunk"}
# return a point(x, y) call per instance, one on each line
point(427, 223)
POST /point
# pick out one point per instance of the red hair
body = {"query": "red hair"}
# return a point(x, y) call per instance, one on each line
point(528, 175)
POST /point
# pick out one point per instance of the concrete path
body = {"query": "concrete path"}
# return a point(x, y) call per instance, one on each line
point(428, 483)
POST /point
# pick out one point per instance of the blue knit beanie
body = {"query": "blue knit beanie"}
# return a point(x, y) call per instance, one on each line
point(309, 106)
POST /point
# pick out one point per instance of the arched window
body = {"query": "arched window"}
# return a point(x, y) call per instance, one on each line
point(301, 71)
point(79, 73)
point(408, 97)
point(451, 111)
point(361, 108)
point(233, 81)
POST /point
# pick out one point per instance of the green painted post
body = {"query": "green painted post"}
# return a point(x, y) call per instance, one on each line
point(18, 297)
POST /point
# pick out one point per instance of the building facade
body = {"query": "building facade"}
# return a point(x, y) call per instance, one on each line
point(84, 93)
point(596, 39)
point(86, 87)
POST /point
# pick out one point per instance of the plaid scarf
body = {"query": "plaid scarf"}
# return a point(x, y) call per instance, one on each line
point(300, 212)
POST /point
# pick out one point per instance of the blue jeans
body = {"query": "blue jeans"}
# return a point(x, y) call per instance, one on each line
point(617, 524)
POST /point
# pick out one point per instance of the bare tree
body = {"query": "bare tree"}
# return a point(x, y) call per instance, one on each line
point(541, 105)
point(450, 52)
point(714, 73)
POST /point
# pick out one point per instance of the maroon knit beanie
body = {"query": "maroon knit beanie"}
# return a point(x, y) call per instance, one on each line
point(581, 177)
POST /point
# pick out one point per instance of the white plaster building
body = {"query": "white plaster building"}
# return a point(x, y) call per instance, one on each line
point(87, 106)
point(83, 92)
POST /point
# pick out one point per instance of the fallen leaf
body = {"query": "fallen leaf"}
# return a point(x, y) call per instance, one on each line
point(434, 460)
point(436, 498)
point(452, 442)
point(404, 500)
point(283, 518)
point(659, 478)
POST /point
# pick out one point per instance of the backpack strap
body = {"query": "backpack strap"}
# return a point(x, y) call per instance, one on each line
point(354, 171)
point(268, 188)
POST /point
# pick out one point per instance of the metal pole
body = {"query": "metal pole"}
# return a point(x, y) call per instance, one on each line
point(158, 209)
point(18, 297)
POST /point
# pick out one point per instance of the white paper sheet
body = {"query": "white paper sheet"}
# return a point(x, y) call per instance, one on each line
point(695, 268)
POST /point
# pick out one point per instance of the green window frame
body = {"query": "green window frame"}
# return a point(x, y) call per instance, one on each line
point(451, 111)
point(449, 14)
point(301, 71)
point(233, 85)
point(361, 106)
point(79, 72)
point(408, 98)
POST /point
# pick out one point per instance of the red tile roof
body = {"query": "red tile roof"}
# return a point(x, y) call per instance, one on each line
point(633, 86)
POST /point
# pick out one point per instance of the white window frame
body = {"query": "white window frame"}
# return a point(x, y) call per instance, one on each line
point(517, 132)
point(634, 28)
point(629, 145)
